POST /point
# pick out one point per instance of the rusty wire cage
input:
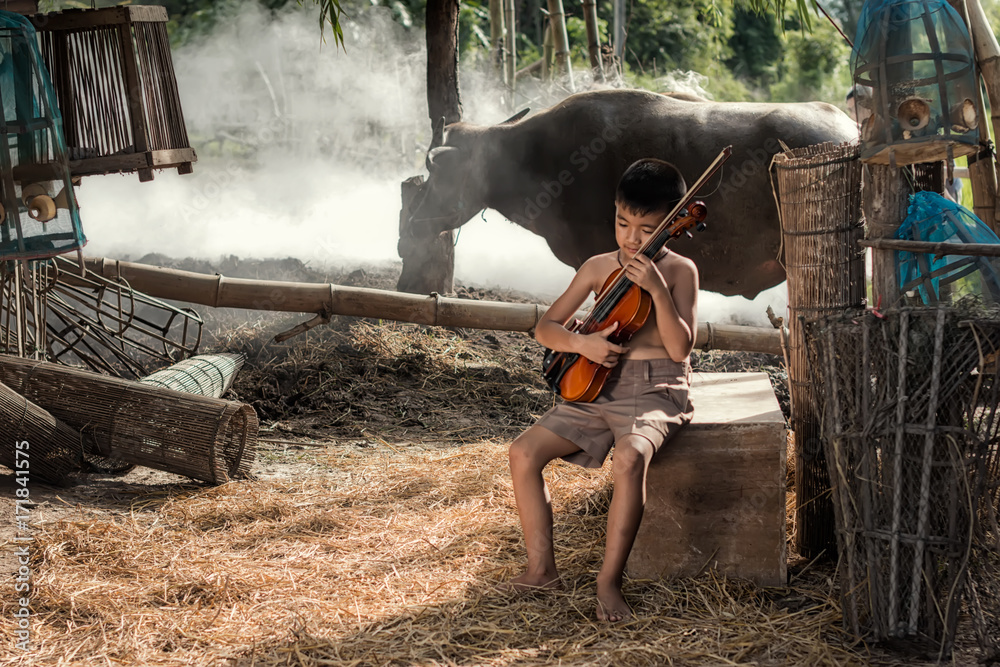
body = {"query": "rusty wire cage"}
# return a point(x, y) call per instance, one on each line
point(914, 65)
point(49, 311)
point(114, 79)
point(911, 405)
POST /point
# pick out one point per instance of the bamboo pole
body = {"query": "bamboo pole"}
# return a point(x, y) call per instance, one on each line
point(931, 248)
point(593, 39)
point(886, 197)
point(326, 300)
point(557, 16)
point(498, 40)
point(982, 169)
point(988, 58)
point(510, 48)
point(548, 49)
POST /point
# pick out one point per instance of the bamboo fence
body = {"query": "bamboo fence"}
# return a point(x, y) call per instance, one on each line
point(327, 300)
point(819, 193)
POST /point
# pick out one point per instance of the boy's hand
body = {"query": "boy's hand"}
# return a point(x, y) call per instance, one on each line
point(642, 271)
point(600, 350)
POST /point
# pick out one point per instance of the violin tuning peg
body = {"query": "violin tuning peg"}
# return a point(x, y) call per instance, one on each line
point(688, 233)
point(701, 227)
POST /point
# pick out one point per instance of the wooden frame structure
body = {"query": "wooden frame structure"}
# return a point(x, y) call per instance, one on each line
point(114, 80)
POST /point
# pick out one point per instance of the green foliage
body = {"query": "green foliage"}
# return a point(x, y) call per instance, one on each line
point(756, 47)
point(815, 67)
point(675, 34)
point(740, 46)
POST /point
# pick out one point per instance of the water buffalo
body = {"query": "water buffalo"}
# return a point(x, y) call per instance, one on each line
point(555, 174)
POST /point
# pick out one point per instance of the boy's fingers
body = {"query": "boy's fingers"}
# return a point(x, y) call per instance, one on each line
point(607, 331)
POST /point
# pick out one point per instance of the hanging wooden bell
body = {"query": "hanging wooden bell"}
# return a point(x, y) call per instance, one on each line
point(913, 113)
point(41, 206)
point(963, 116)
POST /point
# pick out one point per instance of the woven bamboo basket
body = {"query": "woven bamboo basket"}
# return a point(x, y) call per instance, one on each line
point(201, 437)
point(114, 78)
point(819, 191)
point(205, 375)
point(53, 450)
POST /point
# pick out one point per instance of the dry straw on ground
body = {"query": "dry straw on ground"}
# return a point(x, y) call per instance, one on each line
point(390, 555)
point(389, 560)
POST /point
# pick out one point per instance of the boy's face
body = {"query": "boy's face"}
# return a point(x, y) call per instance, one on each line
point(632, 230)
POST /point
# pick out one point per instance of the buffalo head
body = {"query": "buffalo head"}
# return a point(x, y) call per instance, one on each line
point(456, 186)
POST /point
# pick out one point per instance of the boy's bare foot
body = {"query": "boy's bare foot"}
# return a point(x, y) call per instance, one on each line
point(531, 582)
point(611, 605)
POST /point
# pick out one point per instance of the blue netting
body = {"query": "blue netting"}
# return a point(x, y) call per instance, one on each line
point(933, 218)
point(40, 216)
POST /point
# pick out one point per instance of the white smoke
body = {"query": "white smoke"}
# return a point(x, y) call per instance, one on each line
point(302, 147)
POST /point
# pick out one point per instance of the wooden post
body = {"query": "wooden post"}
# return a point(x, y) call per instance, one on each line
point(444, 106)
point(886, 198)
point(443, 98)
point(428, 260)
point(618, 27)
point(593, 39)
point(557, 16)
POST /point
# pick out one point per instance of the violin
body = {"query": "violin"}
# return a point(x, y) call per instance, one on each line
point(573, 376)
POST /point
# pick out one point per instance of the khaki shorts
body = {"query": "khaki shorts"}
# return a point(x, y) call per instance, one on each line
point(645, 397)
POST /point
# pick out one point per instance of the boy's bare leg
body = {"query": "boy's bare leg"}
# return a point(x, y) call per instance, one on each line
point(629, 465)
point(529, 454)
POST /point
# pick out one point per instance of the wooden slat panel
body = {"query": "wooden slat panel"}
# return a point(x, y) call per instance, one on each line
point(716, 491)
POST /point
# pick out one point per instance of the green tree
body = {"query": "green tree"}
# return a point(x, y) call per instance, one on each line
point(815, 66)
point(756, 47)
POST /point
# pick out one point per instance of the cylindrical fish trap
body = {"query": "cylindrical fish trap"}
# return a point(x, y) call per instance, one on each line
point(819, 193)
point(205, 375)
point(36, 443)
point(201, 437)
point(911, 405)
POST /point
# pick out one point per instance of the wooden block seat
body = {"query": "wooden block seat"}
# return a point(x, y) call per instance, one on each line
point(716, 492)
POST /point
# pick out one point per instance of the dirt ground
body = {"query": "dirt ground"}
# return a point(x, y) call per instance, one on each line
point(362, 388)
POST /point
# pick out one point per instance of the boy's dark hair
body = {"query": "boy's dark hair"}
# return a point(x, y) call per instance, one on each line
point(650, 185)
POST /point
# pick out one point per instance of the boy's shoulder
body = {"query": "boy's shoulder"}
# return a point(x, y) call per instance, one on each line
point(670, 259)
point(604, 263)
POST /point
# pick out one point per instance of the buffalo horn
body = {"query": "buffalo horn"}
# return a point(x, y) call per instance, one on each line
point(516, 117)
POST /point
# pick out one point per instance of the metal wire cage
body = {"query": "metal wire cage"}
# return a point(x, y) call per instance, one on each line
point(38, 213)
point(914, 66)
point(114, 78)
point(911, 405)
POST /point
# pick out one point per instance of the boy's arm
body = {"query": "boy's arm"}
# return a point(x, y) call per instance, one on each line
point(553, 334)
point(676, 305)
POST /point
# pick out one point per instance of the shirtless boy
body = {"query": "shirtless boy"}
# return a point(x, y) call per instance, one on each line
point(643, 403)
